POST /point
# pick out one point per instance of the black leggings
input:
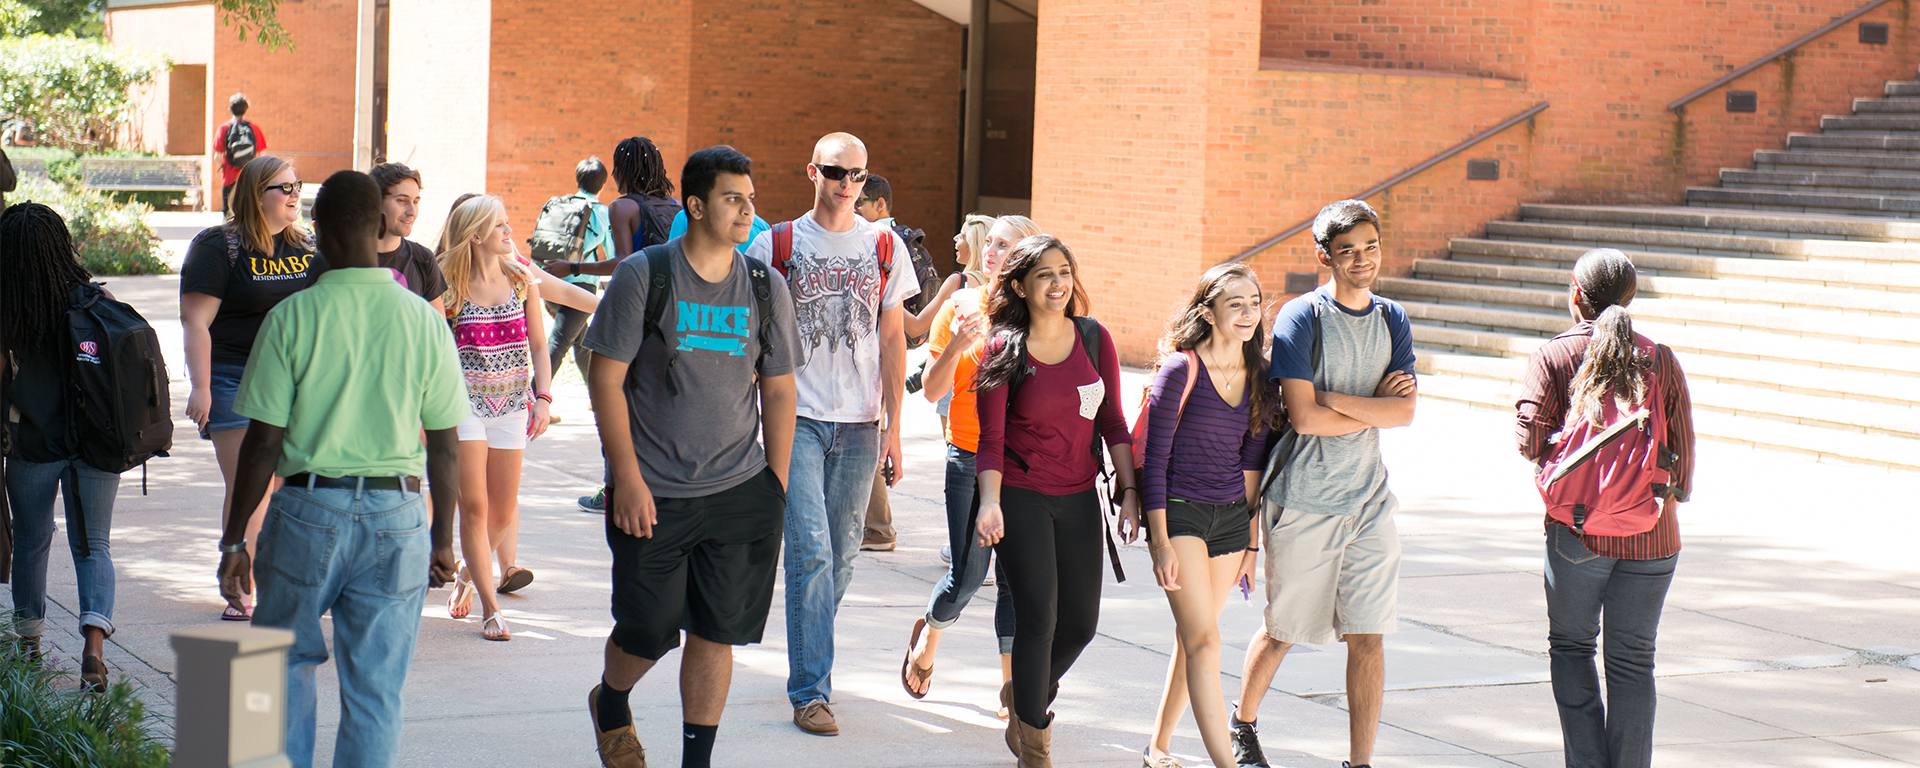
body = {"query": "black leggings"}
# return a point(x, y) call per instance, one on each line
point(1051, 556)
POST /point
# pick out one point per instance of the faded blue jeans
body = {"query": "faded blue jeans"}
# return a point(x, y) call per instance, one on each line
point(1582, 588)
point(968, 570)
point(828, 487)
point(362, 555)
point(30, 489)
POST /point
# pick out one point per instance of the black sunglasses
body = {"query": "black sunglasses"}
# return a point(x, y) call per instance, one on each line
point(836, 173)
point(289, 188)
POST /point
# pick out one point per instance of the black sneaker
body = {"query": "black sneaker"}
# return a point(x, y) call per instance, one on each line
point(1345, 764)
point(1246, 742)
point(595, 504)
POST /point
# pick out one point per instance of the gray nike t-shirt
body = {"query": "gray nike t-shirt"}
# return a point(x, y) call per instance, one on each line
point(706, 438)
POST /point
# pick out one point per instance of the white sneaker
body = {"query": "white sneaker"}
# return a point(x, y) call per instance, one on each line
point(946, 554)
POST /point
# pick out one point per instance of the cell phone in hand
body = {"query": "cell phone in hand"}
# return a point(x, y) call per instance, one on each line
point(1246, 588)
point(886, 470)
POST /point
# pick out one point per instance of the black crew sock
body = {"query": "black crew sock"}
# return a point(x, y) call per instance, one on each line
point(697, 749)
point(613, 713)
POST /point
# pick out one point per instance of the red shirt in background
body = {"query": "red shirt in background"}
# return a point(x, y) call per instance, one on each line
point(1053, 421)
point(229, 174)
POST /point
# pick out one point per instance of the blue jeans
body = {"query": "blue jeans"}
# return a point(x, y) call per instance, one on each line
point(970, 560)
point(30, 489)
point(363, 555)
point(828, 486)
point(1581, 587)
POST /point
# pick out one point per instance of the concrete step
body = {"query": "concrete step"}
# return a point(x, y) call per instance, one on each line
point(1806, 321)
point(1885, 143)
point(1837, 182)
point(1831, 384)
point(1802, 201)
point(1903, 88)
point(1521, 331)
point(1654, 264)
point(1886, 106)
point(1802, 160)
point(1705, 243)
point(1875, 124)
point(1844, 292)
point(1759, 224)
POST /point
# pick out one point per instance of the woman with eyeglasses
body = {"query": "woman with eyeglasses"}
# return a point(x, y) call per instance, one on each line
point(234, 274)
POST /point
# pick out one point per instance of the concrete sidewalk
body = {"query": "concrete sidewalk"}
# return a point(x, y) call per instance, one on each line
point(1790, 636)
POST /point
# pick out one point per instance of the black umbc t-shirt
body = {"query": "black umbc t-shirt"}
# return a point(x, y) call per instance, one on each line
point(252, 284)
point(415, 263)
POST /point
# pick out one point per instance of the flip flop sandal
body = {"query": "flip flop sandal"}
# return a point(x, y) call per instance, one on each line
point(236, 614)
point(460, 603)
point(499, 622)
point(514, 579)
point(911, 673)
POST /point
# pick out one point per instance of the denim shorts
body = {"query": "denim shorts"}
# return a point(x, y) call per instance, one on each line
point(1223, 526)
point(225, 386)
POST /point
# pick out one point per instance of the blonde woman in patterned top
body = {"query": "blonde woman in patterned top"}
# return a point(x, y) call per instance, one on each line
point(493, 302)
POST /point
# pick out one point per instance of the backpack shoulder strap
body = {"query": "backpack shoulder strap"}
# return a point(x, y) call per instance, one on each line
point(1089, 330)
point(1193, 377)
point(233, 247)
point(659, 292)
point(762, 281)
point(883, 248)
point(782, 246)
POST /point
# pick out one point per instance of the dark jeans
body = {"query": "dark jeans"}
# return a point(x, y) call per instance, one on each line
point(969, 567)
point(569, 326)
point(1051, 556)
point(1582, 587)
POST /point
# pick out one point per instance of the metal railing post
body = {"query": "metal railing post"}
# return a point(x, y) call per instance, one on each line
point(231, 697)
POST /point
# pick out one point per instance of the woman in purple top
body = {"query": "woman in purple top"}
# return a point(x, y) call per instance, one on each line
point(1202, 465)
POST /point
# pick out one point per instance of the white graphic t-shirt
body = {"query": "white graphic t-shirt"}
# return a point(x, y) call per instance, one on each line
point(835, 281)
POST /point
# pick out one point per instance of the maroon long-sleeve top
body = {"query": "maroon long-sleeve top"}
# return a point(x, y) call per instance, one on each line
point(1051, 428)
point(1543, 411)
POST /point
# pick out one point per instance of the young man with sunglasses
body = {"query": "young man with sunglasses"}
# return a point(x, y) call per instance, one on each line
point(852, 368)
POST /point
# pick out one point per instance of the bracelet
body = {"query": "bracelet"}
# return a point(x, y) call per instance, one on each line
point(573, 269)
point(1253, 549)
point(543, 396)
point(234, 549)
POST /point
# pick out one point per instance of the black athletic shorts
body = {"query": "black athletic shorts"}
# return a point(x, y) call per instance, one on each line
point(708, 569)
point(1223, 526)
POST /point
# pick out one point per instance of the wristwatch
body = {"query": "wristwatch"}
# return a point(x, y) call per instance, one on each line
point(573, 269)
point(232, 549)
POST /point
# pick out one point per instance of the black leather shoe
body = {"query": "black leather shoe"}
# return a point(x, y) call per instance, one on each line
point(1246, 742)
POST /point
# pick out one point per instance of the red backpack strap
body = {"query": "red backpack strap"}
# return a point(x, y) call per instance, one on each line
point(1193, 375)
point(883, 247)
point(782, 246)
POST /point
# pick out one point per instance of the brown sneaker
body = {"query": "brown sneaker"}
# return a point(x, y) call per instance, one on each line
point(619, 748)
point(816, 719)
point(875, 545)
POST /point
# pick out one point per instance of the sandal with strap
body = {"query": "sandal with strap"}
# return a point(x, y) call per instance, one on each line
point(912, 674)
point(460, 603)
point(496, 620)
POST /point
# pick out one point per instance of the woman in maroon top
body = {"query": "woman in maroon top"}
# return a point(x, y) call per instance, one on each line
point(1037, 463)
point(1624, 578)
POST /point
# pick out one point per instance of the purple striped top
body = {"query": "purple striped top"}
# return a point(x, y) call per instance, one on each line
point(1204, 459)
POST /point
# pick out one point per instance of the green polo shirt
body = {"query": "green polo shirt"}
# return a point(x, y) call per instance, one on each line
point(353, 367)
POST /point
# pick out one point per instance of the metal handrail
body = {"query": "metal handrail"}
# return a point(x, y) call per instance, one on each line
point(1402, 176)
point(1789, 48)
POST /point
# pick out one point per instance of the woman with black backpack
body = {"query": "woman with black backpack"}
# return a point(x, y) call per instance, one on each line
point(1611, 543)
point(1043, 406)
point(38, 274)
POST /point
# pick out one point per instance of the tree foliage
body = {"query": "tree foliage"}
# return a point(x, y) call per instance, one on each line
point(77, 17)
point(75, 91)
point(260, 18)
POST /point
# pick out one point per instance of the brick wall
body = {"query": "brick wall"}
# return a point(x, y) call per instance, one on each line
point(301, 98)
point(438, 113)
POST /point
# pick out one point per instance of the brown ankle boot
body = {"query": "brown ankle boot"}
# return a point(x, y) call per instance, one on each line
point(1035, 743)
point(1013, 730)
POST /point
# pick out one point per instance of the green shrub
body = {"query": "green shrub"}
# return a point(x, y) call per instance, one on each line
point(76, 91)
point(111, 238)
point(46, 722)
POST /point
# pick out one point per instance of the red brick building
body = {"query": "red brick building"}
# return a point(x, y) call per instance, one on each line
point(1158, 137)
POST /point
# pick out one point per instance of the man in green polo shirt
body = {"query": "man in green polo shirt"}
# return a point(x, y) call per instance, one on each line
point(343, 377)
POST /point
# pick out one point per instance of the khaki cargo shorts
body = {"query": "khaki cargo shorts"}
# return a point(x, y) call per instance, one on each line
point(1329, 576)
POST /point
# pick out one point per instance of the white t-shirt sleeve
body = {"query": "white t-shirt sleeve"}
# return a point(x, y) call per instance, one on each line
point(761, 248)
point(902, 283)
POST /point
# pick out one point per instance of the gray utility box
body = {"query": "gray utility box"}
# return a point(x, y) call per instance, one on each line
point(231, 710)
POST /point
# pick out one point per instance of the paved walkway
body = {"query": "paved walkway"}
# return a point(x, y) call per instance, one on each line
point(1791, 637)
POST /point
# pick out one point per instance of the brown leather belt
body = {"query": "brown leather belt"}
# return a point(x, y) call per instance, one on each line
point(302, 479)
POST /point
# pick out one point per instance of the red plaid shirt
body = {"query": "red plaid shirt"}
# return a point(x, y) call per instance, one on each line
point(1543, 411)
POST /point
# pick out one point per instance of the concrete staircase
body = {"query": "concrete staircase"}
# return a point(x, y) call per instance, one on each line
point(1791, 292)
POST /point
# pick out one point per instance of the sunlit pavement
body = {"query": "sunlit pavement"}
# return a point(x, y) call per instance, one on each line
point(1789, 637)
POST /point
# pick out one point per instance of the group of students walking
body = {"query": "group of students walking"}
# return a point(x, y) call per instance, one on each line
point(746, 383)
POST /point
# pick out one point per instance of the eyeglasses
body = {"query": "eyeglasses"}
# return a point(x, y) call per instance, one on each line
point(866, 201)
point(289, 188)
point(837, 173)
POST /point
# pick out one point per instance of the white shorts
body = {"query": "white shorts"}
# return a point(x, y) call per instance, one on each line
point(507, 433)
point(1329, 576)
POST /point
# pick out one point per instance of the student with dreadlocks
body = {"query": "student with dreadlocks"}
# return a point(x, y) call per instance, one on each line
point(233, 274)
point(37, 275)
point(1598, 369)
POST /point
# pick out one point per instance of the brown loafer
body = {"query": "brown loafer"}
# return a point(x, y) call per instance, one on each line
point(816, 719)
point(619, 748)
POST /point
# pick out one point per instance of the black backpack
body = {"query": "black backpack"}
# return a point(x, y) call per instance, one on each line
point(924, 273)
point(561, 229)
point(123, 411)
point(660, 293)
point(240, 144)
point(656, 218)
